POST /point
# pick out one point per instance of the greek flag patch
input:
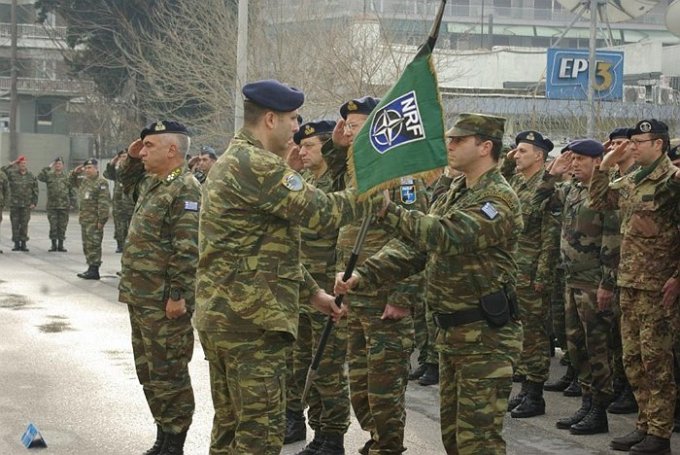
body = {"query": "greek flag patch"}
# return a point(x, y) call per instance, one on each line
point(192, 206)
point(489, 210)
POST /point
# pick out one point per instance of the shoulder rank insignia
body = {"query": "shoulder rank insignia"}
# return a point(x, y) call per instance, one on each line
point(173, 175)
point(489, 210)
point(292, 181)
point(408, 190)
point(191, 206)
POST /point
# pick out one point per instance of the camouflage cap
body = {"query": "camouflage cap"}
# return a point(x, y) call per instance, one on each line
point(478, 125)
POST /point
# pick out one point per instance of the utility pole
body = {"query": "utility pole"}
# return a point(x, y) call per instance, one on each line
point(13, 97)
point(241, 62)
point(592, 68)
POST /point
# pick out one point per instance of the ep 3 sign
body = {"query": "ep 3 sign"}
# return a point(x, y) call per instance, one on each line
point(567, 75)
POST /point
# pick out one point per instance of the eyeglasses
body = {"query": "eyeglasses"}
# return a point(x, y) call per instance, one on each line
point(349, 127)
point(637, 142)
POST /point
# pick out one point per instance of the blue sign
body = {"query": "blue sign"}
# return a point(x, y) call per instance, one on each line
point(567, 76)
point(397, 123)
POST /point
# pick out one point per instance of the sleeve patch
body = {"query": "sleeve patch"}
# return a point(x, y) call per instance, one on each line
point(489, 210)
point(191, 206)
point(293, 181)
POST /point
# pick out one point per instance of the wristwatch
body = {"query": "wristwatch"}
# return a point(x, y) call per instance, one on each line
point(175, 294)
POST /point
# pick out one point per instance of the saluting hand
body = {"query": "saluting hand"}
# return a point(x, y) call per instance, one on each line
point(135, 148)
point(614, 156)
point(339, 138)
point(175, 308)
point(343, 287)
point(561, 164)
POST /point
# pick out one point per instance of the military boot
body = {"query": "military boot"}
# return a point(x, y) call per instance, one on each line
point(562, 383)
point(158, 444)
point(517, 399)
point(431, 376)
point(418, 372)
point(567, 422)
point(333, 444)
point(23, 246)
point(367, 447)
point(574, 389)
point(54, 246)
point(174, 444)
point(593, 423)
point(92, 273)
point(533, 403)
point(313, 447)
point(625, 403)
point(624, 443)
point(119, 246)
point(60, 246)
point(17, 246)
point(652, 445)
point(296, 430)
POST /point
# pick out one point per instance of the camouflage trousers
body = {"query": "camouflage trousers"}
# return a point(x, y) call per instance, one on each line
point(248, 386)
point(424, 328)
point(557, 308)
point(19, 217)
point(647, 334)
point(328, 398)
point(534, 361)
point(163, 348)
point(58, 219)
point(615, 344)
point(378, 356)
point(473, 394)
point(588, 335)
point(92, 242)
point(121, 223)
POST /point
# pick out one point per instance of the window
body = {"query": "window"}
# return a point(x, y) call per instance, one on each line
point(43, 113)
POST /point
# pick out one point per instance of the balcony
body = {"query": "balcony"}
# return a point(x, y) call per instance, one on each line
point(33, 31)
point(47, 87)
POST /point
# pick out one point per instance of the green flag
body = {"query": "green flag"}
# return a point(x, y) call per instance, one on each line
point(404, 135)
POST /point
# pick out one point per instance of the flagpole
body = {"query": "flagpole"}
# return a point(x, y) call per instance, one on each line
point(321, 347)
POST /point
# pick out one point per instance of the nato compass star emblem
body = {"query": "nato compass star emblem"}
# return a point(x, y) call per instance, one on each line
point(397, 123)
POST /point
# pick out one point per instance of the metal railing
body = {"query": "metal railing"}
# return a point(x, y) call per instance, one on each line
point(48, 86)
point(33, 31)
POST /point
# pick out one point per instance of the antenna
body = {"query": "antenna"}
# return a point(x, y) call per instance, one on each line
point(673, 18)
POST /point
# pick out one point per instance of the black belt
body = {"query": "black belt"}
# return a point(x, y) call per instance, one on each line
point(448, 320)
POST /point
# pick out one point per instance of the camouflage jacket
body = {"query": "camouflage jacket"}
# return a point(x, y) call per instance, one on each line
point(4, 189)
point(93, 197)
point(122, 202)
point(60, 193)
point(466, 244)
point(23, 188)
point(650, 240)
point(161, 249)
point(249, 273)
point(589, 245)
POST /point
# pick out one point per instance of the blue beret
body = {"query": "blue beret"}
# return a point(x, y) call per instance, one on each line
point(274, 95)
point(619, 133)
point(162, 127)
point(311, 129)
point(534, 138)
point(364, 105)
point(586, 147)
point(653, 126)
point(91, 161)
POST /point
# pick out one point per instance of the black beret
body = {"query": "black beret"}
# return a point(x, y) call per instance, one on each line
point(274, 95)
point(58, 159)
point(162, 127)
point(586, 147)
point(648, 126)
point(619, 133)
point(534, 138)
point(311, 129)
point(91, 161)
point(364, 105)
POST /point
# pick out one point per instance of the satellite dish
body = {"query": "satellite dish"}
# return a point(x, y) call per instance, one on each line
point(615, 10)
point(673, 18)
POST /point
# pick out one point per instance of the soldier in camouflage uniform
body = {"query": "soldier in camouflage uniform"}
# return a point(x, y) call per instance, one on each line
point(123, 203)
point(529, 156)
point(4, 193)
point(589, 255)
point(381, 331)
point(158, 276)
point(249, 276)
point(95, 202)
point(466, 244)
point(60, 197)
point(23, 197)
point(650, 247)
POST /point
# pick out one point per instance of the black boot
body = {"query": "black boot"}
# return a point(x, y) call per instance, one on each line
point(676, 418)
point(158, 444)
point(60, 246)
point(367, 446)
point(313, 447)
point(562, 383)
point(431, 376)
point(625, 403)
point(533, 403)
point(174, 444)
point(513, 402)
point(296, 430)
point(54, 246)
point(23, 246)
point(333, 444)
point(418, 372)
point(574, 389)
point(624, 443)
point(567, 422)
point(119, 246)
point(593, 423)
point(17, 246)
point(92, 273)
point(652, 445)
